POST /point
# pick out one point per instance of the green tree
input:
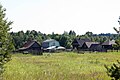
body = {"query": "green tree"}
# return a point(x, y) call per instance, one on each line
point(117, 45)
point(5, 39)
point(114, 71)
point(72, 33)
point(89, 33)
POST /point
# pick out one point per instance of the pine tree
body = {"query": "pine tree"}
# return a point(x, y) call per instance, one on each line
point(5, 39)
point(114, 71)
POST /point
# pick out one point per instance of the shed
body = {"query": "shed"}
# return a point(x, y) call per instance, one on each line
point(31, 47)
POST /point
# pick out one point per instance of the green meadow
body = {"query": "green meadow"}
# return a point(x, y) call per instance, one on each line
point(60, 66)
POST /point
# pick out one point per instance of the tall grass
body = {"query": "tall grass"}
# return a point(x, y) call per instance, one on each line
point(59, 66)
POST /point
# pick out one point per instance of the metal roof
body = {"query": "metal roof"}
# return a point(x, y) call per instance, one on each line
point(49, 40)
point(112, 42)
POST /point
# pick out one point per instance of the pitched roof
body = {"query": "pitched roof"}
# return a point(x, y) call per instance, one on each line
point(49, 40)
point(81, 41)
point(96, 46)
point(28, 44)
point(88, 44)
point(112, 42)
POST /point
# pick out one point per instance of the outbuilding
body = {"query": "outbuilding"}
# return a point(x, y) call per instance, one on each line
point(31, 47)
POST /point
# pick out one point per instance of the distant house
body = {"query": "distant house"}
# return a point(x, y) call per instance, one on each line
point(31, 47)
point(78, 43)
point(108, 44)
point(92, 46)
point(87, 45)
point(51, 44)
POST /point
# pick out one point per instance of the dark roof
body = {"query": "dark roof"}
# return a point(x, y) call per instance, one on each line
point(96, 46)
point(81, 41)
point(28, 44)
point(89, 44)
point(86, 40)
point(112, 42)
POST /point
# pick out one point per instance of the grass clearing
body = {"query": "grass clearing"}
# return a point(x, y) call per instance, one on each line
point(60, 66)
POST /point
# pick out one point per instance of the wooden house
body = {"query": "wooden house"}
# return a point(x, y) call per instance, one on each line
point(92, 46)
point(108, 44)
point(78, 43)
point(31, 47)
point(87, 45)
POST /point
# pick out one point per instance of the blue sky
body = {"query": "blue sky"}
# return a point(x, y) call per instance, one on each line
point(47, 16)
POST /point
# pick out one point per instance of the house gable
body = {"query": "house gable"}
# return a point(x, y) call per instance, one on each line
point(78, 43)
point(87, 45)
point(35, 45)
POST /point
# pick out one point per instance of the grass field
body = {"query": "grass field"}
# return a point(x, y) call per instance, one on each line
point(60, 66)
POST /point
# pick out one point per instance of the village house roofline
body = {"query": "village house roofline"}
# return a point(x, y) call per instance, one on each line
point(112, 42)
point(28, 44)
point(91, 43)
point(81, 41)
point(49, 40)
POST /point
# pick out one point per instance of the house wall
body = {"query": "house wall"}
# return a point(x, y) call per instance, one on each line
point(50, 43)
point(45, 44)
point(54, 43)
point(84, 46)
point(107, 46)
point(34, 49)
point(75, 45)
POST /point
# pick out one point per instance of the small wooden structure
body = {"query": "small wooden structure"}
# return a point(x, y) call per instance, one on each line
point(93, 46)
point(31, 47)
point(108, 45)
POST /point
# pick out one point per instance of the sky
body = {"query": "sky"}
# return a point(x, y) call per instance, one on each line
point(47, 16)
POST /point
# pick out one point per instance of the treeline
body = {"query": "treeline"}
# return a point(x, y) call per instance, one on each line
point(65, 39)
